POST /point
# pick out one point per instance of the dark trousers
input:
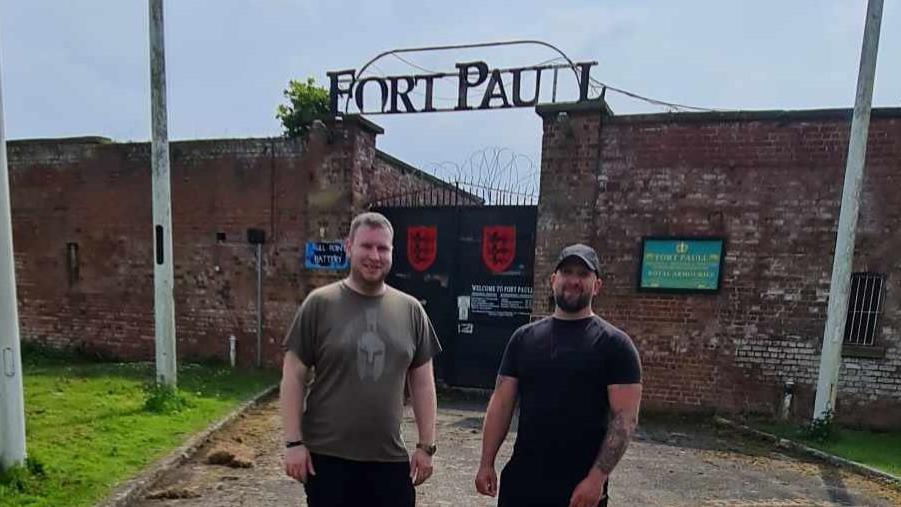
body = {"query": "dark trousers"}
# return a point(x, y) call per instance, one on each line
point(345, 483)
point(524, 484)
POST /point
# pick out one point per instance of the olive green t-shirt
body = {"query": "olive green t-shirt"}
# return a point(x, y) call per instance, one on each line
point(360, 348)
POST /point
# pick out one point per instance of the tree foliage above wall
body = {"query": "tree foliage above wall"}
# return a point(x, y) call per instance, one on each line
point(306, 103)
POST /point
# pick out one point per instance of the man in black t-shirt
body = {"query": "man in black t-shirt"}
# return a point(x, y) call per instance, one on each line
point(578, 380)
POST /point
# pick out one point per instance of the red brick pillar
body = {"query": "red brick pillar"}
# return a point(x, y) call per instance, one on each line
point(570, 154)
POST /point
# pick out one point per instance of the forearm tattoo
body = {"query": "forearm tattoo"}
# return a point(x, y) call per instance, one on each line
point(615, 442)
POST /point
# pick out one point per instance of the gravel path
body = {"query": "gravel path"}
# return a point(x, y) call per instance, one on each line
point(669, 464)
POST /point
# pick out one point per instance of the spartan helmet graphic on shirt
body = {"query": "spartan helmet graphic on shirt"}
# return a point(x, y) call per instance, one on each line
point(370, 350)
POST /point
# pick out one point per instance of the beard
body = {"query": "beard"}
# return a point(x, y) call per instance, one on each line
point(369, 277)
point(572, 304)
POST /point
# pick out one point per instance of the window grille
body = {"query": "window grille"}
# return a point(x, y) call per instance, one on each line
point(864, 308)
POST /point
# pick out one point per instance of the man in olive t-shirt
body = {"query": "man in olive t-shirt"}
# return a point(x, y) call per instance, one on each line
point(361, 339)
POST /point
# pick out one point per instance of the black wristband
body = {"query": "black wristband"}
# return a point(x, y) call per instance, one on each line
point(294, 443)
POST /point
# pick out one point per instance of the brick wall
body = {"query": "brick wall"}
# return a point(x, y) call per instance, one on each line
point(770, 183)
point(96, 195)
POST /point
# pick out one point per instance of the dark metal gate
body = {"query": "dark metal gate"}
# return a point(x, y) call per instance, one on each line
point(472, 268)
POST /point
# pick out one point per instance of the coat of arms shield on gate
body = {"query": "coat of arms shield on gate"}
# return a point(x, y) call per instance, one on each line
point(422, 246)
point(498, 247)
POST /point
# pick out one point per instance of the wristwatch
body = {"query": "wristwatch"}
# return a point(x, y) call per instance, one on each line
point(427, 448)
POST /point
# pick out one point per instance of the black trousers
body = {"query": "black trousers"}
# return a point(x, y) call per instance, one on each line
point(525, 484)
point(344, 483)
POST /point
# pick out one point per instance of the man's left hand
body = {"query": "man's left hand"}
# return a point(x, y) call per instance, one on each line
point(589, 492)
point(420, 467)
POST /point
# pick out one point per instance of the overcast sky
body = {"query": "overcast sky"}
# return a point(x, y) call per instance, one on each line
point(73, 68)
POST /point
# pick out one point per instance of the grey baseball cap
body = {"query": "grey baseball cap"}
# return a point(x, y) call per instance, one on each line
point(584, 252)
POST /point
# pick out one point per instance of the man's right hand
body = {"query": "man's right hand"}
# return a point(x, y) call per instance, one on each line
point(298, 463)
point(486, 481)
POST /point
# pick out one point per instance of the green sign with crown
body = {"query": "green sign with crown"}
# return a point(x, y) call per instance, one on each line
point(681, 264)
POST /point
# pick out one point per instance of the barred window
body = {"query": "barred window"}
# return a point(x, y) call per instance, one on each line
point(864, 308)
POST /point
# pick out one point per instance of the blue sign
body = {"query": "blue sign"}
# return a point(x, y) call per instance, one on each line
point(325, 255)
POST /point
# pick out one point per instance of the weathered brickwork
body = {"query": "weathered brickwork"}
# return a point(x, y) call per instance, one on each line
point(95, 195)
point(770, 183)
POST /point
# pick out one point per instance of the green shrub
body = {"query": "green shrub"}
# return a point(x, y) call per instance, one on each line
point(306, 103)
point(164, 399)
point(23, 478)
point(821, 430)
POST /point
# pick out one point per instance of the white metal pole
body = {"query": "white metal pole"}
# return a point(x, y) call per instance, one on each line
point(12, 406)
point(163, 301)
point(831, 356)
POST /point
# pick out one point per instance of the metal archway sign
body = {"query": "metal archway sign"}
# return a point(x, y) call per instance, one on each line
point(393, 92)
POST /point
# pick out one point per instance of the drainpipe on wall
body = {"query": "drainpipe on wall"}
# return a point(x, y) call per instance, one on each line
point(258, 237)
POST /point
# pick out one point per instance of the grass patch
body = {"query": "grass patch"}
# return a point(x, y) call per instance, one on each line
point(880, 450)
point(91, 425)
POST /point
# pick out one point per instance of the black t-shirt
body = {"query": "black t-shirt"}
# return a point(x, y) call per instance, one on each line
point(563, 368)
